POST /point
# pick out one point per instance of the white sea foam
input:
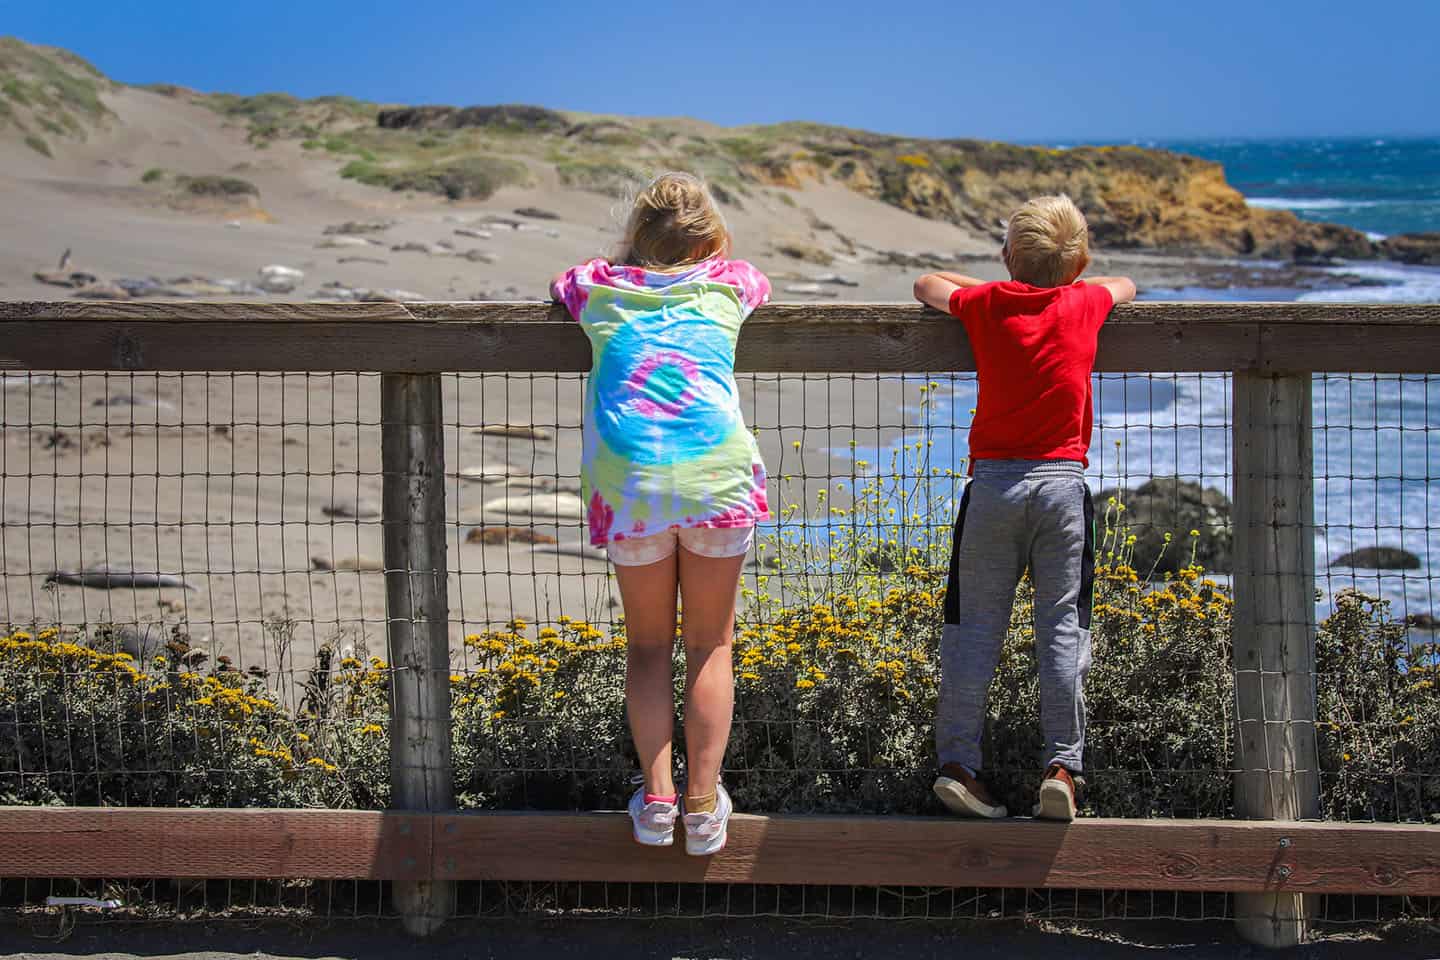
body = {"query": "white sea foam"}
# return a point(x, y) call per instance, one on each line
point(1395, 283)
point(1319, 203)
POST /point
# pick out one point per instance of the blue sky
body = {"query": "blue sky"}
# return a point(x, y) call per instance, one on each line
point(1038, 70)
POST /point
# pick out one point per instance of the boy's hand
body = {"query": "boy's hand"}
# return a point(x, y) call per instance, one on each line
point(935, 289)
point(555, 285)
point(1122, 289)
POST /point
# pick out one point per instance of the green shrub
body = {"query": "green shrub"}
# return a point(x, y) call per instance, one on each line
point(470, 178)
point(836, 682)
point(217, 186)
point(604, 177)
point(38, 144)
point(152, 175)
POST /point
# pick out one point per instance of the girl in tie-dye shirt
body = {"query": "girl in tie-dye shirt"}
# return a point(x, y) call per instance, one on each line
point(673, 480)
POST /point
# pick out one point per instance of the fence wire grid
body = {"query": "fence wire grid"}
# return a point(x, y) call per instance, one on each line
point(253, 671)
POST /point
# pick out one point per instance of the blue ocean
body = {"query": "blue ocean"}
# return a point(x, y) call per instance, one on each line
point(1377, 438)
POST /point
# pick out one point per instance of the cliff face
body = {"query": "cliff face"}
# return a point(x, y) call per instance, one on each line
point(1134, 198)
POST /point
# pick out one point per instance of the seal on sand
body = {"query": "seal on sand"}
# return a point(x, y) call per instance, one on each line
point(103, 577)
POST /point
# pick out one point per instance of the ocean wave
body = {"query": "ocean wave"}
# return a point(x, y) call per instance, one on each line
point(1320, 203)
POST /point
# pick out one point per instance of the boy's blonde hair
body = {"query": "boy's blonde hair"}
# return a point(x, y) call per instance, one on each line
point(1047, 242)
point(674, 223)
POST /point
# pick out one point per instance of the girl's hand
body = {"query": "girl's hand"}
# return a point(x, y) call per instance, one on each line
point(555, 285)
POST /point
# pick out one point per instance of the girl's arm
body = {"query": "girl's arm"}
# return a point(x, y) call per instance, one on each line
point(555, 285)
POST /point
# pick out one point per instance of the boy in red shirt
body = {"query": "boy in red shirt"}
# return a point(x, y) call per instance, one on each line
point(1027, 504)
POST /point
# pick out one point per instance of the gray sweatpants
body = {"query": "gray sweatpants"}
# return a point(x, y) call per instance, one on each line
point(1017, 514)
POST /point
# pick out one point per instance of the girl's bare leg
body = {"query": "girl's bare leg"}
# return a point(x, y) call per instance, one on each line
point(708, 587)
point(648, 594)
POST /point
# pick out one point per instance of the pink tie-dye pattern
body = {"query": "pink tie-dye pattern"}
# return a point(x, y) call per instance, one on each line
point(655, 409)
point(753, 285)
point(601, 516)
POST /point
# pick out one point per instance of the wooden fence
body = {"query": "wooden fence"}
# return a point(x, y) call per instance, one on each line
point(1273, 862)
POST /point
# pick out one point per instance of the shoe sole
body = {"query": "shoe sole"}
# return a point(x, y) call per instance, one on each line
point(652, 838)
point(705, 850)
point(963, 803)
point(1056, 802)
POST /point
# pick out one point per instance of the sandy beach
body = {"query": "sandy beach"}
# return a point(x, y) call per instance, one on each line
point(261, 492)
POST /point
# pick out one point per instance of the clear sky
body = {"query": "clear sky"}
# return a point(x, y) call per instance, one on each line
point(1029, 70)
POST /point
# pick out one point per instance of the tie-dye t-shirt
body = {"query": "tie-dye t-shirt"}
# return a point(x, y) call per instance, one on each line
point(665, 443)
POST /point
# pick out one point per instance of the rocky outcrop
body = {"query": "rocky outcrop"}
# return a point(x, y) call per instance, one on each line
point(516, 117)
point(1416, 248)
point(1379, 558)
point(1133, 197)
point(1171, 506)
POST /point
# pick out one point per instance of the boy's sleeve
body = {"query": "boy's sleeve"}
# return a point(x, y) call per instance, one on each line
point(1098, 304)
point(963, 300)
point(574, 286)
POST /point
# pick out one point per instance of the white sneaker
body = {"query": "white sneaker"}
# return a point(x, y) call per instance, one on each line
point(705, 833)
point(653, 822)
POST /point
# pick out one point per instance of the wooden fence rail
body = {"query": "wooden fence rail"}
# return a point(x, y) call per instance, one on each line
point(1256, 857)
point(1272, 866)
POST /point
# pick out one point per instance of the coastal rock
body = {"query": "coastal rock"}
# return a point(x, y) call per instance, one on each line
point(1379, 558)
point(473, 233)
point(102, 291)
point(66, 278)
point(480, 256)
point(496, 535)
point(808, 253)
point(536, 213)
point(351, 509)
point(837, 279)
point(276, 278)
point(1174, 506)
point(358, 227)
point(1414, 248)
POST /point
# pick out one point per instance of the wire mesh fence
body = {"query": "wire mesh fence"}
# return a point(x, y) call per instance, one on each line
point(194, 588)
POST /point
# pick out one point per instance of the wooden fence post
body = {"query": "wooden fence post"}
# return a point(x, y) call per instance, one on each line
point(417, 614)
point(1274, 629)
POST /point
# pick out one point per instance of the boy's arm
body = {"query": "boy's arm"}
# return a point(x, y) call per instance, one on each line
point(1122, 289)
point(935, 289)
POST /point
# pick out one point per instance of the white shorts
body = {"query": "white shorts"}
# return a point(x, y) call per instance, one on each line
point(714, 542)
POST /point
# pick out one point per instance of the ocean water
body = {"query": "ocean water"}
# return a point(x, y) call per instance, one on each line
point(1377, 438)
point(1381, 186)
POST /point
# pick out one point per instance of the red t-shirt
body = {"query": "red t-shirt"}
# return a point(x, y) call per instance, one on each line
point(1035, 350)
